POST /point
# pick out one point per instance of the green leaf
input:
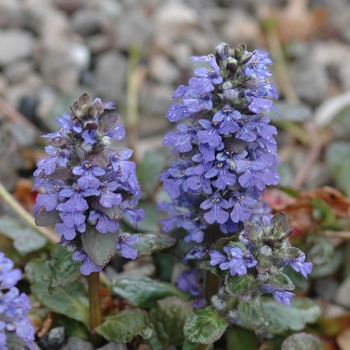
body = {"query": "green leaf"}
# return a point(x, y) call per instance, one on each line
point(64, 268)
point(205, 265)
point(252, 313)
point(328, 267)
point(279, 280)
point(25, 239)
point(150, 242)
point(300, 282)
point(338, 160)
point(152, 164)
point(188, 345)
point(302, 341)
point(143, 291)
point(69, 300)
point(73, 328)
point(239, 338)
point(291, 112)
point(99, 246)
point(205, 326)
point(125, 325)
point(252, 231)
point(321, 251)
point(150, 222)
point(168, 318)
point(281, 220)
point(241, 285)
point(165, 263)
point(282, 318)
point(323, 211)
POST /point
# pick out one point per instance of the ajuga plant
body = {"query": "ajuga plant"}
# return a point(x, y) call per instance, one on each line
point(16, 329)
point(89, 184)
point(225, 156)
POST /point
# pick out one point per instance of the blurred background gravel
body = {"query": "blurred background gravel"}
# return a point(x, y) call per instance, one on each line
point(53, 50)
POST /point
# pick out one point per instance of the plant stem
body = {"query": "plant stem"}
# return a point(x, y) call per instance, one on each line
point(273, 41)
point(28, 218)
point(95, 306)
point(211, 286)
point(132, 100)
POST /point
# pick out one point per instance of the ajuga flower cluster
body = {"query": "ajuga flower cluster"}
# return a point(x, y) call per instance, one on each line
point(226, 153)
point(89, 184)
point(16, 329)
point(225, 156)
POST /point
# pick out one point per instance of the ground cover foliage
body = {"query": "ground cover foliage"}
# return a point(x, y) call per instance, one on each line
point(239, 266)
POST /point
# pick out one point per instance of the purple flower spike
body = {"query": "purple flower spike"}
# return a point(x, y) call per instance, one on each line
point(235, 259)
point(88, 265)
point(89, 182)
point(216, 204)
point(88, 172)
point(90, 136)
point(103, 223)
point(280, 296)
point(108, 197)
point(57, 157)
point(117, 133)
point(299, 264)
point(198, 303)
point(124, 245)
point(240, 261)
point(227, 118)
point(210, 134)
point(8, 276)
point(187, 282)
point(217, 258)
point(120, 163)
point(15, 325)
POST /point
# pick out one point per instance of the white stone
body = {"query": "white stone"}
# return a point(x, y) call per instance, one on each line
point(162, 70)
point(15, 44)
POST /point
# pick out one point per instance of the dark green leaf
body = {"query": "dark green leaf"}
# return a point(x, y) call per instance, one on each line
point(321, 251)
point(280, 280)
point(45, 218)
point(168, 318)
point(125, 325)
point(300, 282)
point(99, 246)
point(188, 345)
point(282, 220)
point(64, 268)
point(73, 328)
point(165, 263)
point(252, 313)
point(241, 285)
point(150, 242)
point(302, 341)
point(25, 239)
point(152, 164)
point(329, 267)
point(205, 326)
point(252, 231)
point(239, 338)
point(282, 318)
point(322, 211)
point(143, 291)
point(338, 161)
point(205, 265)
point(69, 300)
